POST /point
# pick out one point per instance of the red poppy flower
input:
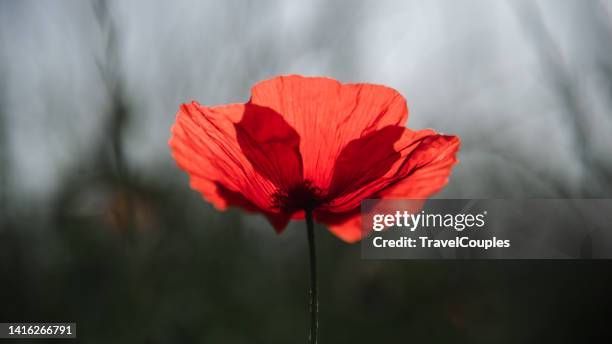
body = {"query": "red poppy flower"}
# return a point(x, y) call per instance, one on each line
point(310, 143)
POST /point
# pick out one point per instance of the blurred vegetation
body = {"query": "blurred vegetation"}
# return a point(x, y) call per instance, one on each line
point(170, 276)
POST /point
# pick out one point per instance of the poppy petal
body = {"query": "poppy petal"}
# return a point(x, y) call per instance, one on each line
point(377, 161)
point(427, 170)
point(271, 145)
point(422, 170)
point(328, 115)
point(370, 163)
point(223, 153)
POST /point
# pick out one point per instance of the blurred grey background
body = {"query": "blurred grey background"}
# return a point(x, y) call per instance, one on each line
point(98, 225)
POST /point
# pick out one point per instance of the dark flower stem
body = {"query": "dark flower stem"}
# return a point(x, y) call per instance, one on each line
point(314, 297)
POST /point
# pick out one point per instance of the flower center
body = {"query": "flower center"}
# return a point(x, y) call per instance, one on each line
point(302, 196)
